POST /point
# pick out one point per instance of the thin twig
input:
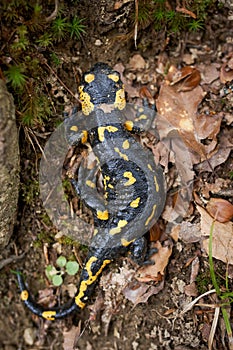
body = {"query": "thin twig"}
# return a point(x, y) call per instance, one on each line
point(54, 13)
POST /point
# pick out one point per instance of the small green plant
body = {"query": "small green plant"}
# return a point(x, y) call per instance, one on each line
point(16, 77)
point(76, 27)
point(29, 42)
point(55, 275)
point(59, 28)
point(196, 25)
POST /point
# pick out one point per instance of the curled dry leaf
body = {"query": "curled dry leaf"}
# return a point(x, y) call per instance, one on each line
point(155, 272)
point(186, 79)
point(220, 209)
point(222, 240)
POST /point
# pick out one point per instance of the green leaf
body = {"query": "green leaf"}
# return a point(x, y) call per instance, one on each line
point(57, 280)
point(72, 267)
point(61, 261)
point(50, 271)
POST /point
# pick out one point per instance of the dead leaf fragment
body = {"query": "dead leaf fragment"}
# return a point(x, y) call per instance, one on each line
point(142, 293)
point(222, 241)
point(137, 62)
point(70, 338)
point(220, 209)
point(226, 73)
point(154, 272)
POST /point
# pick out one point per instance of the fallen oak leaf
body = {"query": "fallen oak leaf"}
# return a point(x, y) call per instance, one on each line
point(179, 109)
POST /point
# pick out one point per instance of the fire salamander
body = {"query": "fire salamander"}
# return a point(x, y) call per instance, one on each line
point(134, 189)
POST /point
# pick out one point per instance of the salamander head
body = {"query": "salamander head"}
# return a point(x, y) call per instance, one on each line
point(101, 85)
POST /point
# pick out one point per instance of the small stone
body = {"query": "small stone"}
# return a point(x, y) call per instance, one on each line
point(29, 336)
point(98, 42)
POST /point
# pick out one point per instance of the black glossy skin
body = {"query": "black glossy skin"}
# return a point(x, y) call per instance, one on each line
point(134, 185)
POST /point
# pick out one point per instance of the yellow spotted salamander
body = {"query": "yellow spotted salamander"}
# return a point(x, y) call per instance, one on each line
point(134, 189)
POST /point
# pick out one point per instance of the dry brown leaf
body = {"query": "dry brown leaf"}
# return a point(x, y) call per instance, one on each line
point(220, 156)
point(154, 272)
point(189, 233)
point(207, 126)
point(142, 293)
point(226, 73)
point(220, 209)
point(209, 73)
point(186, 79)
point(137, 62)
point(191, 290)
point(222, 241)
point(179, 109)
point(70, 337)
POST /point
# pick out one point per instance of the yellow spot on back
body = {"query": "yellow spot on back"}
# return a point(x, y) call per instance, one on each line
point(129, 125)
point(151, 215)
point(114, 77)
point(102, 215)
point(156, 184)
point(125, 144)
point(89, 78)
point(110, 186)
point(131, 178)
point(101, 130)
point(90, 184)
point(121, 223)
point(84, 136)
point(49, 315)
point(135, 202)
point(87, 105)
point(120, 101)
point(95, 232)
point(24, 295)
point(149, 167)
point(122, 155)
point(74, 128)
point(91, 279)
point(142, 116)
point(125, 243)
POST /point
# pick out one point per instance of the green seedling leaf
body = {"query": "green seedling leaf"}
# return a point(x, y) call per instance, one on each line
point(72, 267)
point(50, 271)
point(61, 261)
point(57, 280)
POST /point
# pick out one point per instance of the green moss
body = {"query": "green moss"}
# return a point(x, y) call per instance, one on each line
point(29, 35)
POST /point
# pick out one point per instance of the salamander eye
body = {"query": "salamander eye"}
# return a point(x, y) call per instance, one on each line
point(115, 77)
point(89, 78)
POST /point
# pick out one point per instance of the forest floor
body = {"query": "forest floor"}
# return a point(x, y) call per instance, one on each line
point(189, 77)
